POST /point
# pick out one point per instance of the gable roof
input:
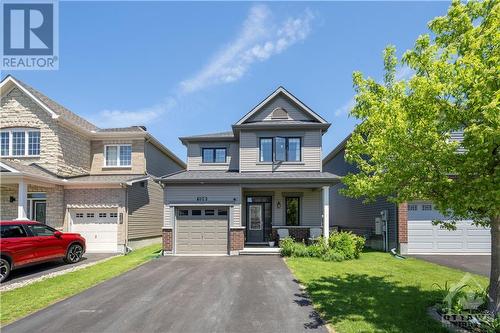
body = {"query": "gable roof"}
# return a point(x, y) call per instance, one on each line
point(55, 109)
point(290, 96)
point(336, 150)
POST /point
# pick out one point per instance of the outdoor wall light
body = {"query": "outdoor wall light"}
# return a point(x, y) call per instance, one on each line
point(278, 204)
point(12, 199)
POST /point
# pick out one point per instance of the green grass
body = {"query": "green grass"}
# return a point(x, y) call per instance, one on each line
point(376, 293)
point(23, 301)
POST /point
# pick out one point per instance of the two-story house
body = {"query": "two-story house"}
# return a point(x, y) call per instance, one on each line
point(243, 186)
point(62, 170)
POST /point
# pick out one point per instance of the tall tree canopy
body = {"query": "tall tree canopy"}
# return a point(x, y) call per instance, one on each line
point(404, 146)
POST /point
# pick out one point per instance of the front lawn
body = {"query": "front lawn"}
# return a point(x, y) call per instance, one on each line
point(375, 293)
point(20, 302)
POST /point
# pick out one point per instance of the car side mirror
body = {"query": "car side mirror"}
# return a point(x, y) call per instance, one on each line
point(58, 234)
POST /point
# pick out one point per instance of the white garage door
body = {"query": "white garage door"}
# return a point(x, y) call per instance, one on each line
point(201, 230)
point(425, 238)
point(99, 227)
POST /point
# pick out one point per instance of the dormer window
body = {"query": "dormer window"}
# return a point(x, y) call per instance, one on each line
point(279, 113)
point(20, 142)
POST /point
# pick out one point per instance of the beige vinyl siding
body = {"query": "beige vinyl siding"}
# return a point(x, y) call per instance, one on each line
point(311, 151)
point(214, 194)
point(157, 163)
point(311, 206)
point(145, 207)
point(138, 161)
point(195, 161)
point(294, 113)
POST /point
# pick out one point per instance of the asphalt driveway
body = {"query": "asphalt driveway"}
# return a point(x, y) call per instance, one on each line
point(468, 263)
point(186, 294)
point(31, 272)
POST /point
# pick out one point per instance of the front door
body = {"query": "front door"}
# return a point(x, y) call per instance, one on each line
point(255, 229)
point(40, 211)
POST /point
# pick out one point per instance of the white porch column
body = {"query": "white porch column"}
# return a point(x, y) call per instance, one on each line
point(326, 212)
point(22, 200)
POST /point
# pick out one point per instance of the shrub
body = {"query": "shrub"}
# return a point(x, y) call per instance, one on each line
point(287, 244)
point(332, 255)
point(347, 244)
point(300, 250)
point(318, 249)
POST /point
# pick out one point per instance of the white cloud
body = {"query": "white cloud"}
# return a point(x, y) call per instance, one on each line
point(122, 118)
point(344, 109)
point(258, 40)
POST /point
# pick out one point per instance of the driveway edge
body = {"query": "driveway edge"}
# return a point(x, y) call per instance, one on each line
point(24, 283)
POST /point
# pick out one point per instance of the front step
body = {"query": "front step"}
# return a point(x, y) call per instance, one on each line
point(259, 251)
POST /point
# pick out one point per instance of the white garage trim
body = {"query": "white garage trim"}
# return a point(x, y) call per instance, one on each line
point(190, 207)
point(467, 239)
point(99, 227)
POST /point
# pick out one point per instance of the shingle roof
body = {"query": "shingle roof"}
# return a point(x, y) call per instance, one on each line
point(123, 129)
point(251, 177)
point(31, 169)
point(58, 108)
point(107, 179)
point(219, 135)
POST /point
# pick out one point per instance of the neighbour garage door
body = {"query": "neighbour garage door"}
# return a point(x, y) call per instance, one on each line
point(201, 230)
point(423, 237)
point(99, 228)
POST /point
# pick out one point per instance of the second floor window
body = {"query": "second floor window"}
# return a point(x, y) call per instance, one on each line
point(20, 142)
point(214, 155)
point(280, 149)
point(118, 155)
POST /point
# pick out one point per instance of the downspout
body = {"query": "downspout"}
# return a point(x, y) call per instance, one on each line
point(125, 220)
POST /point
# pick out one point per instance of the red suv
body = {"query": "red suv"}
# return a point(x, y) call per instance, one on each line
point(24, 243)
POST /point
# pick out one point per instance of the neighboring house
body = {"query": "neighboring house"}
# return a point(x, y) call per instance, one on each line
point(60, 169)
point(409, 225)
point(242, 186)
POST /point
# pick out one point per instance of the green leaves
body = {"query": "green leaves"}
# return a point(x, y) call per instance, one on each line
point(404, 147)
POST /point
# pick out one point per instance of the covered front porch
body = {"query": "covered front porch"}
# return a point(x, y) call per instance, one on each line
point(26, 196)
point(269, 213)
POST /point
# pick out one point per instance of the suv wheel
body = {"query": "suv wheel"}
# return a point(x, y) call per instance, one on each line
point(4, 269)
point(74, 254)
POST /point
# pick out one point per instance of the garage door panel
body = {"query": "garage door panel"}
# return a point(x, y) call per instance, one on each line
point(201, 234)
point(424, 237)
point(99, 227)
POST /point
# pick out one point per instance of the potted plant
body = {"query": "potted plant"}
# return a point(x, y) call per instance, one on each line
point(271, 243)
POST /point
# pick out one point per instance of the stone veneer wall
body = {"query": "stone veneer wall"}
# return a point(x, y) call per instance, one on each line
point(55, 203)
point(63, 151)
point(402, 224)
point(8, 210)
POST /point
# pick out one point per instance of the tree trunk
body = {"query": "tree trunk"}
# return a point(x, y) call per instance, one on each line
point(494, 291)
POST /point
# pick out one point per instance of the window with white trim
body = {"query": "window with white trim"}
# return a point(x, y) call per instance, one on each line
point(90, 215)
point(79, 215)
point(113, 214)
point(101, 215)
point(117, 155)
point(426, 207)
point(412, 207)
point(20, 142)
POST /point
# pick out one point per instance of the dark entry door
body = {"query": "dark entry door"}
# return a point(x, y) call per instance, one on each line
point(255, 228)
point(40, 211)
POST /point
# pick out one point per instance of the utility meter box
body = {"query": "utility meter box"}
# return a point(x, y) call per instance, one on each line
point(378, 226)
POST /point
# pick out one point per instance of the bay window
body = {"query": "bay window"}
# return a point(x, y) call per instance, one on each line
point(118, 155)
point(20, 142)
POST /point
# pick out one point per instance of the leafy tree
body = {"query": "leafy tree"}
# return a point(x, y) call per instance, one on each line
point(404, 147)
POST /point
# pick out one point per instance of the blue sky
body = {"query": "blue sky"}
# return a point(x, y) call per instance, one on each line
point(197, 67)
